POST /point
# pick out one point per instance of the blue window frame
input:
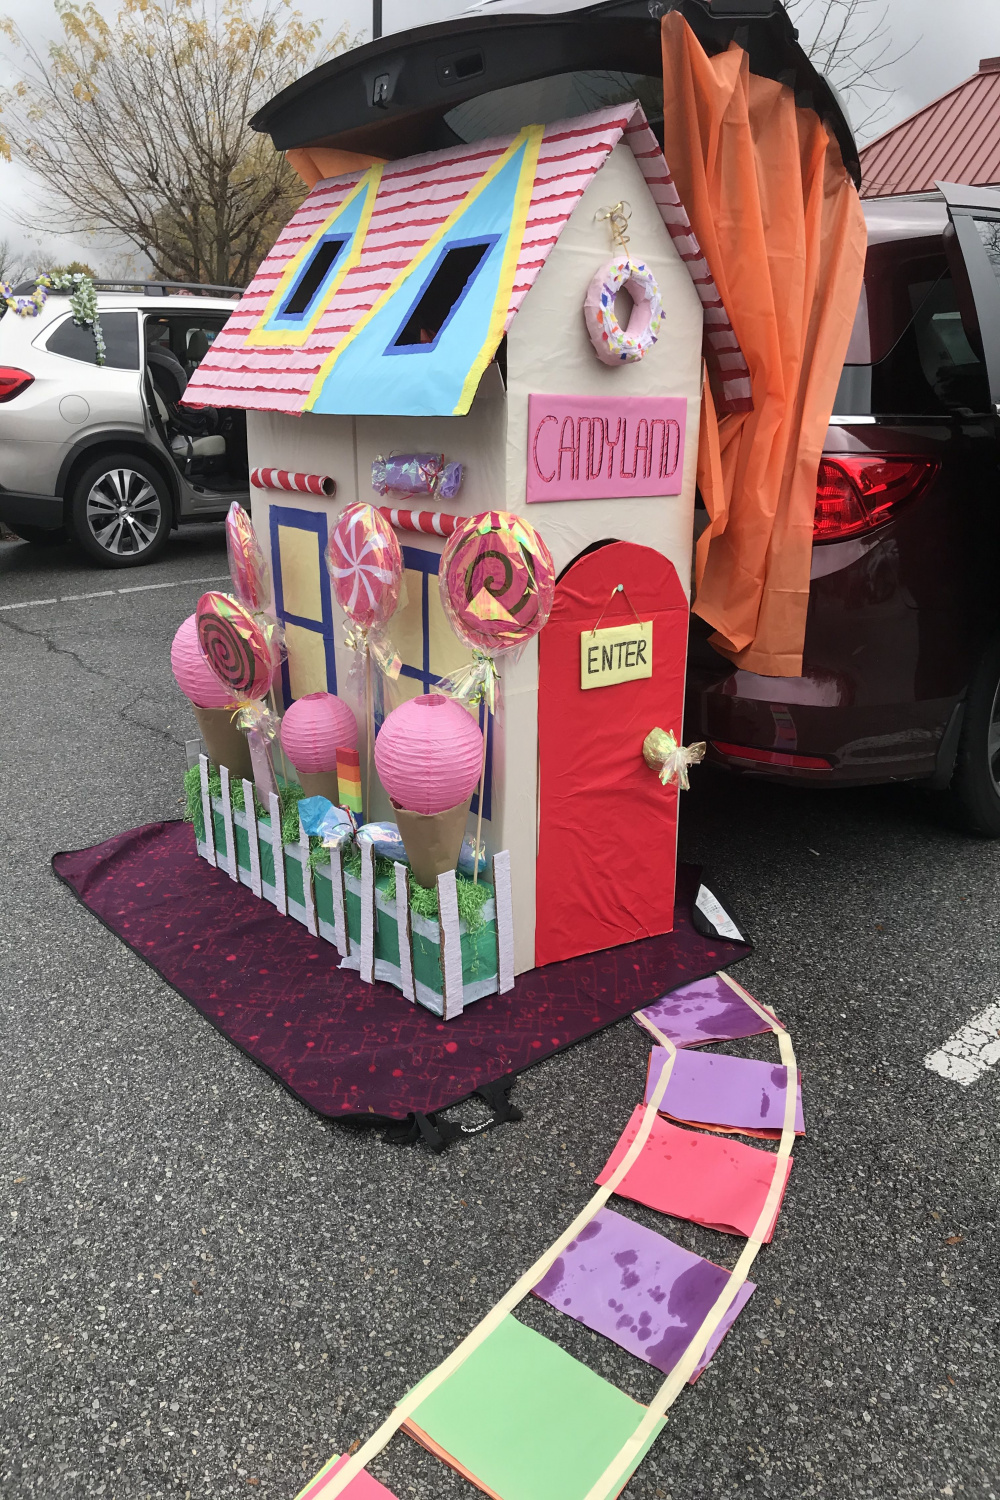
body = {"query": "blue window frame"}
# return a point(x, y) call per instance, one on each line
point(303, 520)
point(484, 244)
point(427, 565)
point(313, 279)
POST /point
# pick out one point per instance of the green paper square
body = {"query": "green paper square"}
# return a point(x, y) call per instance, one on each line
point(530, 1421)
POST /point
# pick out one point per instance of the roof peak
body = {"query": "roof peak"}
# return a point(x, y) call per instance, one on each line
point(989, 65)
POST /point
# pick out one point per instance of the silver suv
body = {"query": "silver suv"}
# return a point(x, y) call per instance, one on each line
point(105, 453)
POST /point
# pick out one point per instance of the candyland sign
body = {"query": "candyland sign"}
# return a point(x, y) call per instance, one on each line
point(605, 448)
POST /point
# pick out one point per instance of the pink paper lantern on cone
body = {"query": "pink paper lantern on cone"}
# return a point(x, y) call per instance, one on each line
point(313, 729)
point(225, 742)
point(428, 755)
point(195, 677)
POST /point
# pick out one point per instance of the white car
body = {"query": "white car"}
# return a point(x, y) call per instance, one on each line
point(104, 453)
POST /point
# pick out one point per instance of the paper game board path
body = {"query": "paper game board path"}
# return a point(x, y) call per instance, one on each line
point(609, 1483)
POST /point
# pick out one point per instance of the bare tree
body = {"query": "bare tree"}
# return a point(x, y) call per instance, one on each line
point(15, 265)
point(137, 127)
point(850, 41)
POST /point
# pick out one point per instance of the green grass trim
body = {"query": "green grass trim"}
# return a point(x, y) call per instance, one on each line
point(288, 798)
point(471, 898)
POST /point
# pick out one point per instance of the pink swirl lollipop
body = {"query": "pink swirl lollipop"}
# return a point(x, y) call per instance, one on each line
point(247, 566)
point(497, 581)
point(235, 646)
point(366, 565)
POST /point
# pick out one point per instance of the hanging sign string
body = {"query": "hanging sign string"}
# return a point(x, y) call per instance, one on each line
point(619, 588)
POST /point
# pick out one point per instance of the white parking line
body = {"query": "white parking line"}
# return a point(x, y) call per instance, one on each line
point(971, 1051)
point(137, 588)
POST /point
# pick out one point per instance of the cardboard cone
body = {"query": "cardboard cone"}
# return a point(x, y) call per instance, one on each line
point(433, 841)
point(225, 743)
point(320, 784)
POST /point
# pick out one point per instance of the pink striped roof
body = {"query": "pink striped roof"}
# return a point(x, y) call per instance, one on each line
point(405, 215)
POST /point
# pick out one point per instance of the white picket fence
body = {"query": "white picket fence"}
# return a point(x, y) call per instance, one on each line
point(457, 990)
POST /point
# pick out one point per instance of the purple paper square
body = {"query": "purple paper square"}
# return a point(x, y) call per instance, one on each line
point(709, 1010)
point(640, 1289)
point(707, 1088)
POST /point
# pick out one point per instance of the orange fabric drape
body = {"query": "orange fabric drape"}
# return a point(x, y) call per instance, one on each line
point(781, 227)
point(315, 163)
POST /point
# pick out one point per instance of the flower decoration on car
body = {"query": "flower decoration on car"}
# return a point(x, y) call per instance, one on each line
point(82, 302)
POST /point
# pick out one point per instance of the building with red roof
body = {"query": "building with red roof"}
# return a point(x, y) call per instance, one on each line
point(956, 138)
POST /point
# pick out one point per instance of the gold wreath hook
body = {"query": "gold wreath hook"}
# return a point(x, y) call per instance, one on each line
point(618, 218)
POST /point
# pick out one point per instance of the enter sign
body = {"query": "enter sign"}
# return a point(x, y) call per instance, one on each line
point(621, 653)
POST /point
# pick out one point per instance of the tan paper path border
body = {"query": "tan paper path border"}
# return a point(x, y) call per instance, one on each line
point(610, 1483)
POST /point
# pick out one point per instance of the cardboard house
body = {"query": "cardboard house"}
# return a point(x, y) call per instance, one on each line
point(435, 304)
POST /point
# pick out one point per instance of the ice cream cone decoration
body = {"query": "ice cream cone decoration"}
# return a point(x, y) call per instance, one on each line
point(225, 743)
point(428, 756)
point(314, 731)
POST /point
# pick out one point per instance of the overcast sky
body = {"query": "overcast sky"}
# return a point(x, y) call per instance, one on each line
point(946, 37)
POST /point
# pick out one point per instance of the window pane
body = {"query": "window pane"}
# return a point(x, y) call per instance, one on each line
point(989, 233)
point(932, 370)
point(121, 338)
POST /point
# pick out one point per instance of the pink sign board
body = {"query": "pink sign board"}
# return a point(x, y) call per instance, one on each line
point(605, 447)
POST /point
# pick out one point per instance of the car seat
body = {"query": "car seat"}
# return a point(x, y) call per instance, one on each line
point(188, 433)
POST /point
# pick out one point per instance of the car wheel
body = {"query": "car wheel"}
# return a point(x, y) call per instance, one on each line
point(41, 536)
point(975, 784)
point(120, 511)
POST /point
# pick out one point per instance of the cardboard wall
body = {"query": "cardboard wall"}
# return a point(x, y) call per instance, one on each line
point(549, 351)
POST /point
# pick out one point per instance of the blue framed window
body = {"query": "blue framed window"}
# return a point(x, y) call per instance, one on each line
point(315, 522)
point(427, 565)
point(313, 278)
point(444, 290)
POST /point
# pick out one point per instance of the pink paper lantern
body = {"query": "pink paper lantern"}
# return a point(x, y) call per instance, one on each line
point(428, 754)
point(314, 729)
point(195, 677)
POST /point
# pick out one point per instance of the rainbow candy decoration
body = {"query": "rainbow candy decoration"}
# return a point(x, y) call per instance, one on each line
point(349, 780)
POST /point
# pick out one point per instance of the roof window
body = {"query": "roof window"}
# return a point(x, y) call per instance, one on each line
point(311, 280)
point(441, 295)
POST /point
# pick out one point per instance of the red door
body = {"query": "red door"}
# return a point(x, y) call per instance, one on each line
point(607, 835)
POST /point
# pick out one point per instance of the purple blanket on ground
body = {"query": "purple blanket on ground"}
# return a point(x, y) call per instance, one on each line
point(343, 1047)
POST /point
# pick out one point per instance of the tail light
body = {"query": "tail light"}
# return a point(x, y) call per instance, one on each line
point(13, 382)
point(857, 492)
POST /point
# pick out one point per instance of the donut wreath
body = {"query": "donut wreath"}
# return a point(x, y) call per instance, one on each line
point(614, 344)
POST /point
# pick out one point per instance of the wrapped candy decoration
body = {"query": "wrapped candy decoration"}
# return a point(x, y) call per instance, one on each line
point(663, 754)
point(235, 646)
point(497, 582)
point(365, 565)
point(247, 566)
point(312, 813)
point(237, 649)
point(429, 756)
point(385, 840)
point(417, 474)
point(337, 828)
point(313, 729)
point(212, 701)
point(468, 864)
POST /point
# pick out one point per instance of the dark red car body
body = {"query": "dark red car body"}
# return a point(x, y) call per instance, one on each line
point(901, 610)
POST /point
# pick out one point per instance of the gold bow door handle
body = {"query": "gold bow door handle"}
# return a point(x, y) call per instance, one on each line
point(670, 760)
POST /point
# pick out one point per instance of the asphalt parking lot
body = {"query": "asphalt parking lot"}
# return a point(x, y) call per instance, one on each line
point(207, 1290)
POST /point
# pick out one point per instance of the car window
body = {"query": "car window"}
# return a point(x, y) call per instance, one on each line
point(121, 341)
point(188, 336)
point(931, 370)
point(989, 233)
